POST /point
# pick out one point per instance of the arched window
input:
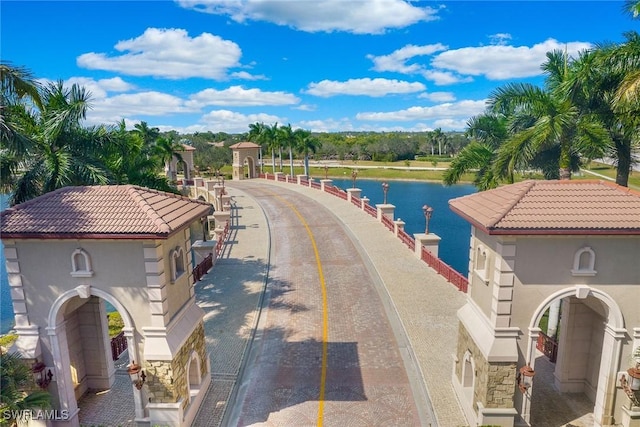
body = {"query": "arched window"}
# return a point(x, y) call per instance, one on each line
point(81, 264)
point(584, 262)
point(177, 263)
point(468, 375)
point(194, 377)
point(481, 265)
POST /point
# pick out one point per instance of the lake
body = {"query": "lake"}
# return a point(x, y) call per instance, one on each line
point(408, 198)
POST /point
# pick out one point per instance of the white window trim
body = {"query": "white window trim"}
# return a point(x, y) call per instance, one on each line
point(174, 255)
point(482, 273)
point(75, 272)
point(590, 270)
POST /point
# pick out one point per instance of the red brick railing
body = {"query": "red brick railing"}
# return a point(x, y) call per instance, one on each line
point(548, 346)
point(442, 268)
point(206, 264)
point(118, 345)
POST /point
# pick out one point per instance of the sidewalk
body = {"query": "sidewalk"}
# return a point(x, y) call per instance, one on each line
point(231, 296)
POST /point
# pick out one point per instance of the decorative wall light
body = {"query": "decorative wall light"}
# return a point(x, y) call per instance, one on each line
point(428, 211)
point(525, 378)
point(137, 375)
point(42, 378)
point(630, 381)
point(385, 190)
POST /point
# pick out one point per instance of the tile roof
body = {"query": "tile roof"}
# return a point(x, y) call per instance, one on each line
point(245, 144)
point(553, 207)
point(108, 211)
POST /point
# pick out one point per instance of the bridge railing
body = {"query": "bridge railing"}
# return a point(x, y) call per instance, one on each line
point(118, 345)
point(548, 346)
point(442, 268)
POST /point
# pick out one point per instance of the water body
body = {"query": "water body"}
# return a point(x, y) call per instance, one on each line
point(408, 198)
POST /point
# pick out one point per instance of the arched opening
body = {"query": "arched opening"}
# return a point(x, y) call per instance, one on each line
point(468, 376)
point(87, 376)
point(249, 168)
point(194, 379)
point(574, 387)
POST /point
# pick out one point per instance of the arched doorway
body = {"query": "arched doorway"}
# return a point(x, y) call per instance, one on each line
point(249, 167)
point(591, 333)
point(80, 345)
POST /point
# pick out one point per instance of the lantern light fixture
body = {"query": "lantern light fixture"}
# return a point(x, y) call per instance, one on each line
point(525, 378)
point(42, 378)
point(137, 375)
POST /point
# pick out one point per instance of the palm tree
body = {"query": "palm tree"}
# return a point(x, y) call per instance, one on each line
point(287, 139)
point(488, 132)
point(17, 84)
point(257, 135)
point(556, 121)
point(439, 137)
point(167, 149)
point(632, 8)
point(16, 388)
point(609, 83)
point(149, 135)
point(60, 152)
point(306, 144)
point(273, 143)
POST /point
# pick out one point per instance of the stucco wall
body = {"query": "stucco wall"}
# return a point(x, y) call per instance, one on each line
point(45, 266)
point(178, 292)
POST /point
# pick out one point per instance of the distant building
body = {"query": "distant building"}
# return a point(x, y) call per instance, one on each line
point(71, 251)
point(565, 251)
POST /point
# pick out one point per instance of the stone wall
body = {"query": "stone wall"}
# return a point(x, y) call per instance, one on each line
point(495, 382)
point(167, 382)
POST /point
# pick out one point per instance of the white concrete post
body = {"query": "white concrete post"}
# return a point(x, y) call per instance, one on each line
point(324, 183)
point(353, 192)
point(398, 226)
point(385, 210)
point(429, 241)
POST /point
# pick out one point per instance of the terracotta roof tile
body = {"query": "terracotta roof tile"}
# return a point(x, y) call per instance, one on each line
point(553, 207)
point(116, 211)
point(245, 144)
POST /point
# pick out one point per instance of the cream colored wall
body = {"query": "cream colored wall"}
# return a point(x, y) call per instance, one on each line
point(178, 293)
point(118, 269)
point(543, 265)
point(482, 290)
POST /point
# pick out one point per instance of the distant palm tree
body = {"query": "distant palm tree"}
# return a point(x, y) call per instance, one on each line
point(167, 149)
point(149, 135)
point(257, 135)
point(16, 388)
point(287, 140)
point(306, 144)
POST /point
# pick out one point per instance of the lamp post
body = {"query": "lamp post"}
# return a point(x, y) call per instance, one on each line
point(137, 375)
point(354, 175)
point(428, 211)
point(326, 171)
point(385, 190)
point(525, 378)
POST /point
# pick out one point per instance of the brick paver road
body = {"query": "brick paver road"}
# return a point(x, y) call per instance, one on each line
point(368, 381)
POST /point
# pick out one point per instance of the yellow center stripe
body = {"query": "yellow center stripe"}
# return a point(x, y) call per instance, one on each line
point(325, 314)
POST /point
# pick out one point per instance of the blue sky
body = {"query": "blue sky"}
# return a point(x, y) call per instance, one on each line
point(330, 65)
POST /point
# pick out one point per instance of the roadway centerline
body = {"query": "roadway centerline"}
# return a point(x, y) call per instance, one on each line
point(325, 311)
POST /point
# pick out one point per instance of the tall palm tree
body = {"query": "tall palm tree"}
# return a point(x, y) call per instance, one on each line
point(607, 85)
point(257, 135)
point(273, 143)
point(60, 151)
point(149, 135)
point(306, 144)
point(556, 122)
point(488, 132)
point(16, 390)
point(287, 140)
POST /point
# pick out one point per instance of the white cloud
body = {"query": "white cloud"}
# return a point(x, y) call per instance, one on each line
point(240, 97)
point(397, 60)
point(443, 78)
point(234, 122)
point(169, 53)
point(461, 109)
point(438, 96)
point(500, 38)
point(502, 62)
point(327, 125)
point(358, 17)
point(366, 86)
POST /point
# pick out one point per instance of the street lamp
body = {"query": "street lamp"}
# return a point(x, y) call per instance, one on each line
point(428, 211)
point(524, 377)
point(326, 171)
point(354, 175)
point(385, 189)
point(137, 375)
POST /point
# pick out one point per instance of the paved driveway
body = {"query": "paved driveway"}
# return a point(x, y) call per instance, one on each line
point(325, 351)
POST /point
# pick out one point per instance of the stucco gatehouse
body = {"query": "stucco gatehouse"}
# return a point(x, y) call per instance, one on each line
point(71, 251)
point(567, 252)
